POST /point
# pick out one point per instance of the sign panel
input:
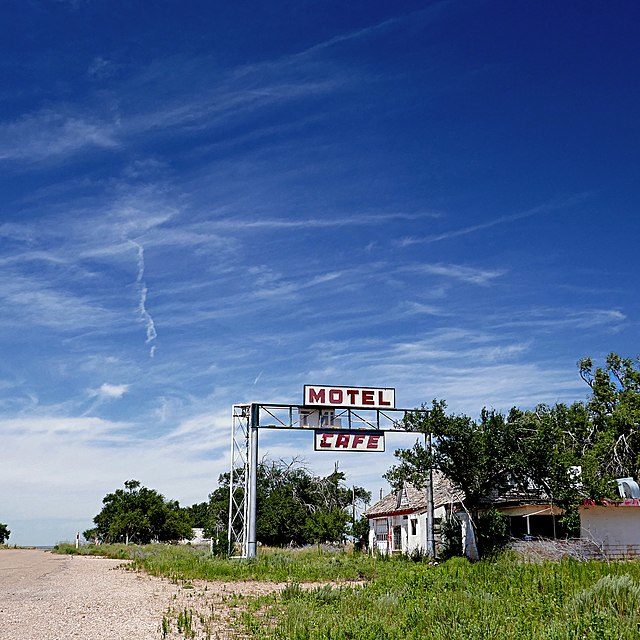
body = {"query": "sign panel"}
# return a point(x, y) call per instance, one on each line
point(343, 440)
point(350, 397)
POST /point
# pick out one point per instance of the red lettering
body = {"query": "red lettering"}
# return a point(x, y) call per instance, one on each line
point(352, 393)
point(381, 400)
point(357, 439)
point(373, 442)
point(367, 397)
point(324, 441)
point(342, 440)
point(335, 396)
point(316, 396)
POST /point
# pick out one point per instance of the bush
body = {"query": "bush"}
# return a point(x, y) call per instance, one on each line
point(492, 533)
point(451, 538)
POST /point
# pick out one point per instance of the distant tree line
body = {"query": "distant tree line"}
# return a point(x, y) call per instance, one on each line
point(533, 450)
point(294, 508)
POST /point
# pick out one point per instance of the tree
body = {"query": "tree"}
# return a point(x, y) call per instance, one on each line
point(4, 533)
point(610, 446)
point(141, 515)
point(199, 513)
point(484, 458)
point(293, 506)
point(90, 535)
point(360, 532)
point(480, 458)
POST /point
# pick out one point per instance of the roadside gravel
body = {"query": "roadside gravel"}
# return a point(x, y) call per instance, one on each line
point(49, 597)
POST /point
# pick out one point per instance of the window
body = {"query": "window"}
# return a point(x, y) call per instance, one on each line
point(381, 528)
point(414, 526)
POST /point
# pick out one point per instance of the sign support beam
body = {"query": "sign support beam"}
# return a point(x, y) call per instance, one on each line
point(253, 482)
point(248, 419)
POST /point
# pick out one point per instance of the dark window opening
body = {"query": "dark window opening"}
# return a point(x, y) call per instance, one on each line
point(397, 538)
point(539, 526)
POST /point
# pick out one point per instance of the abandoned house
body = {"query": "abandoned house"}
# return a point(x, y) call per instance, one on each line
point(398, 522)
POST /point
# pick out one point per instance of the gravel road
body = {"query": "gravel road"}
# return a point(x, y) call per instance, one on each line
point(50, 597)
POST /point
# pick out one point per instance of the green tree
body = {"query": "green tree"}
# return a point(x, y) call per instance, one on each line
point(485, 458)
point(141, 515)
point(293, 506)
point(480, 458)
point(610, 446)
point(536, 449)
point(4, 533)
point(360, 532)
point(90, 535)
point(199, 513)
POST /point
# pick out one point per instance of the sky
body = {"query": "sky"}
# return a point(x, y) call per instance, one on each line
point(209, 203)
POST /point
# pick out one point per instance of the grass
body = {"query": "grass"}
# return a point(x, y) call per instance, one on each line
point(502, 599)
point(497, 600)
point(182, 563)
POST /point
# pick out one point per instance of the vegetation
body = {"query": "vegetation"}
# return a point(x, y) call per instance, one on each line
point(535, 450)
point(184, 562)
point(4, 533)
point(294, 506)
point(140, 515)
point(497, 600)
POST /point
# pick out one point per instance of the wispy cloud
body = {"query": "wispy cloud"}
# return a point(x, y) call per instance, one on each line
point(150, 326)
point(52, 134)
point(542, 209)
point(463, 273)
point(547, 319)
point(27, 299)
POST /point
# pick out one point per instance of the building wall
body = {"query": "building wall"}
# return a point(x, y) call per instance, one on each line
point(614, 530)
point(410, 541)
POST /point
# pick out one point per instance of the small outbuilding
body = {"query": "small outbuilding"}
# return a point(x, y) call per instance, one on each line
point(398, 522)
point(612, 526)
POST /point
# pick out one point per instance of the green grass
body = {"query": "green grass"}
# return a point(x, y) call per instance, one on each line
point(502, 599)
point(275, 565)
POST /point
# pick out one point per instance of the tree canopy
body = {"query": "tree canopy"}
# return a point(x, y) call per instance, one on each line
point(4, 533)
point(293, 506)
point(141, 515)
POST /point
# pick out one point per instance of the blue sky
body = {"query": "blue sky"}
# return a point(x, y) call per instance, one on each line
point(205, 203)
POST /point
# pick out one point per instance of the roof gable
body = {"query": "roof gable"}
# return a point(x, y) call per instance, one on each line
point(409, 499)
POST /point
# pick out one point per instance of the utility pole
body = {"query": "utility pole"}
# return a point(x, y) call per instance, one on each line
point(353, 506)
point(431, 543)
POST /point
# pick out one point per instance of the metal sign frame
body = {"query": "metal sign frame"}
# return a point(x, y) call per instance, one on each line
point(247, 419)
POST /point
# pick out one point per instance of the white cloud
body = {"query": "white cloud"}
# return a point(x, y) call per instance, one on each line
point(107, 390)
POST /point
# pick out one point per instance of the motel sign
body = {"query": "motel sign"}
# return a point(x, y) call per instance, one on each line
point(349, 397)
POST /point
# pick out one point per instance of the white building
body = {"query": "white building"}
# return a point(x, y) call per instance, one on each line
point(613, 527)
point(398, 522)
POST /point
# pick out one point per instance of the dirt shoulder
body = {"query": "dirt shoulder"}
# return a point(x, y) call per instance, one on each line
point(50, 597)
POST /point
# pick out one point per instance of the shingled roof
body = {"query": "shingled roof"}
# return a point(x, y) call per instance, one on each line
point(409, 499)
